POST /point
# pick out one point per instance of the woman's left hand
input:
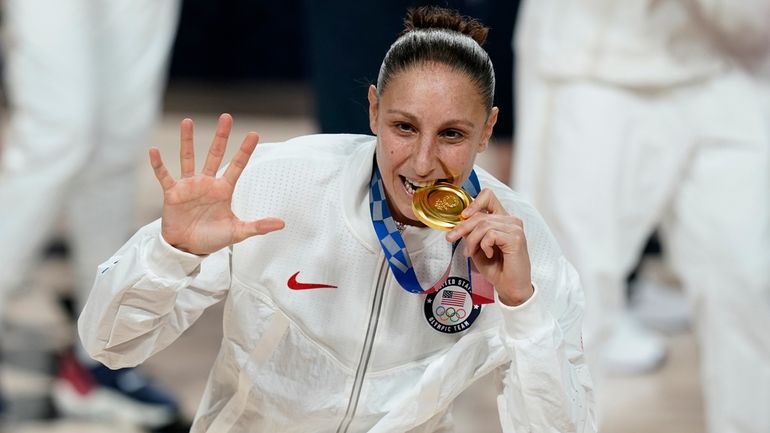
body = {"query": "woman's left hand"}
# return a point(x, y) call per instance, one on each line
point(495, 241)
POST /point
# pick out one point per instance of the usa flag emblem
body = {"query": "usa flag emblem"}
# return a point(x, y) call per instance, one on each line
point(453, 298)
point(451, 309)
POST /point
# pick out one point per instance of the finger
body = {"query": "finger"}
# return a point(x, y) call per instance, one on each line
point(161, 173)
point(502, 222)
point(266, 225)
point(247, 229)
point(487, 202)
point(186, 149)
point(477, 236)
point(218, 145)
point(488, 243)
point(241, 158)
point(508, 242)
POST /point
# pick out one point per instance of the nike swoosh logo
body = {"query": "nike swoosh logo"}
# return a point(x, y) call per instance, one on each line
point(296, 285)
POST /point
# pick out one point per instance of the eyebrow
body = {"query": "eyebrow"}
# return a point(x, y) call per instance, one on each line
point(413, 118)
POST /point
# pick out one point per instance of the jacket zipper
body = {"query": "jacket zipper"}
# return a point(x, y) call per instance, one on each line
point(366, 353)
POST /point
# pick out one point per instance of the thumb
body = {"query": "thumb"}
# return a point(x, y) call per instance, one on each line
point(247, 229)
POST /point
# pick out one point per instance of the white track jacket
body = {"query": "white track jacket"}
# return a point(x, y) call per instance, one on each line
point(358, 355)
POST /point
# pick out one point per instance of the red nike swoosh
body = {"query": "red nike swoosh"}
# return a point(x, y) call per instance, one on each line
point(296, 285)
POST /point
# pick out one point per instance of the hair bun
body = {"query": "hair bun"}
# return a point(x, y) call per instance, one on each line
point(435, 17)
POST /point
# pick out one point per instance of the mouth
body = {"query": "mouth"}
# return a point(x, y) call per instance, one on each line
point(411, 185)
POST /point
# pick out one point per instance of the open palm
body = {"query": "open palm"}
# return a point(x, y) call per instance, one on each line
point(197, 214)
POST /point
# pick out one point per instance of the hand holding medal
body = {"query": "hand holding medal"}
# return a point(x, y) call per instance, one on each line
point(495, 241)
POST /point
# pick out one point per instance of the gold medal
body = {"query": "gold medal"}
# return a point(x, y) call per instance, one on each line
point(439, 206)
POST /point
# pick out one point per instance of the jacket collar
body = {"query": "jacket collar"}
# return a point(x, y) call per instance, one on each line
point(355, 194)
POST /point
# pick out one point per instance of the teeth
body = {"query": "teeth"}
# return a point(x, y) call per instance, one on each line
point(420, 184)
point(413, 185)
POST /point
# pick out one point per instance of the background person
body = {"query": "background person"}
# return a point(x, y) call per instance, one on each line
point(84, 79)
point(642, 113)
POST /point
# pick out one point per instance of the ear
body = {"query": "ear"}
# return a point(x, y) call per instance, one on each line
point(373, 108)
point(488, 127)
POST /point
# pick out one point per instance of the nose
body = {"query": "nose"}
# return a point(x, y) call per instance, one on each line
point(424, 157)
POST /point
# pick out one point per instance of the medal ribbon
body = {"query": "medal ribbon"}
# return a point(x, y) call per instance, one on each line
point(395, 249)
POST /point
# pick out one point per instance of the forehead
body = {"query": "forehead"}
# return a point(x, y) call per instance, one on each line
point(433, 84)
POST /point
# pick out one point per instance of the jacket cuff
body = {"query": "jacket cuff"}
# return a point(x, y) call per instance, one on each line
point(525, 320)
point(166, 261)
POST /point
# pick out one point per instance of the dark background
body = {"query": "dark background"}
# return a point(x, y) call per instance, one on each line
point(335, 47)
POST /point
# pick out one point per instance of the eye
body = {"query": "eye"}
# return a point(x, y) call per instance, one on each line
point(404, 127)
point(452, 134)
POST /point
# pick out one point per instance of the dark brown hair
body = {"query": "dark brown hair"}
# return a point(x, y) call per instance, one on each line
point(435, 34)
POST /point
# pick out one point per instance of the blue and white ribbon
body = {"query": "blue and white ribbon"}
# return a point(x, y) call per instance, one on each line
point(390, 238)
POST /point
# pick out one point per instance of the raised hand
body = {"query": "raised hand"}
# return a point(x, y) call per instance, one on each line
point(495, 241)
point(197, 214)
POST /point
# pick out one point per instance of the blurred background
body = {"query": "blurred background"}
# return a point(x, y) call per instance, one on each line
point(282, 69)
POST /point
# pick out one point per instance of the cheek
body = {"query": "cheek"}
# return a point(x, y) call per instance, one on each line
point(459, 160)
point(396, 151)
point(389, 157)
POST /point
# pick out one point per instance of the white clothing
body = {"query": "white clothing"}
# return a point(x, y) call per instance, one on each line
point(357, 357)
point(85, 80)
point(607, 154)
point(640, 43)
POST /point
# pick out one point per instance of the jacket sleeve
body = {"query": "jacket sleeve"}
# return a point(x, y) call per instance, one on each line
point(547, 387)
point(146, 295)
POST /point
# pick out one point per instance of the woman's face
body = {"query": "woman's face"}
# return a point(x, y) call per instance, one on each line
point(430, 123)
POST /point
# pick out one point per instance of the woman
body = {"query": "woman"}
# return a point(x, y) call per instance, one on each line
point(319, 333)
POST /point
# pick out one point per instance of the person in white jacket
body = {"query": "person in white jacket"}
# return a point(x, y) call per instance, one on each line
point(343, 312)
point(642, 113)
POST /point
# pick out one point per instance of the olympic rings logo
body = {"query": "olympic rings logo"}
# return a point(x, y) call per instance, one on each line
point(450, 314)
